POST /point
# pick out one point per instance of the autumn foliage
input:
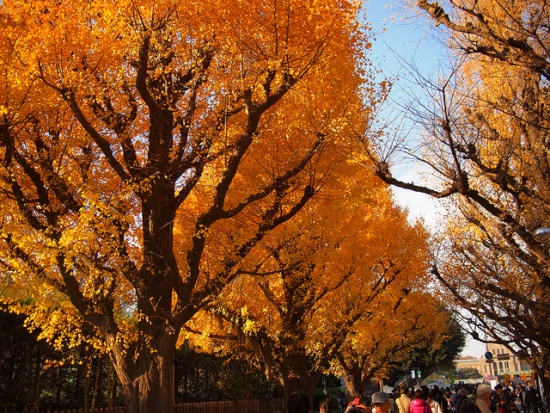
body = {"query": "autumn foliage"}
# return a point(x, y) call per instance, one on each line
point(340, 288)
point(148, 150)
point(486, 149)
point(187, 166)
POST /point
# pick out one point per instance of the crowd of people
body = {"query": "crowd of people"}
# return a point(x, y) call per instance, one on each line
point(481, 398)
point(500, 399)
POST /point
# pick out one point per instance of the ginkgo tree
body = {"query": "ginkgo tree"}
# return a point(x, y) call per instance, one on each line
point(148, 147)
point(485, 146)
point(350, 257)
point(403, 322)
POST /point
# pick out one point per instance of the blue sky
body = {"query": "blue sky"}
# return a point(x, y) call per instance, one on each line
point(404, 35)
point(408, 34)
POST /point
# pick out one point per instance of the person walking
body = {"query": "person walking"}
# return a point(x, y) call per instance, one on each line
point(396, 394)
point(381, 402)
point(418, 404)
point(501, 399)
point(447, 397)
point(461, 397)
point(358, 402)
point(510, 400)
point(453, 397)
point(403, 401)
point(520, 393)
point(532, 399)
point(434, 405)
point(483, 401)
point(440, 398)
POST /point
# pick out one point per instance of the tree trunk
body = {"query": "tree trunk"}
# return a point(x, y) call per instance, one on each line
point(356, 382)
point(130, 393)
point(545, 380)
point(86, 386)
point(148, 382)
point(97, 380)
point(294, 375)
point(156, 385)
point(37, 381)
point(351, 383)
point(147, 370)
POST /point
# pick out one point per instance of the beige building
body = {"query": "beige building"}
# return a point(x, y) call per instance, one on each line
point(503, 366)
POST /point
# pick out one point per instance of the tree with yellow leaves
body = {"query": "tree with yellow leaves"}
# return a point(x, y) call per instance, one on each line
point(405, 321)
point(486, 143)
point(148, 147)
point(347, 262)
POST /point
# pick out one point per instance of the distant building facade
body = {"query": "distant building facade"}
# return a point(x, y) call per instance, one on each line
point(504, 366)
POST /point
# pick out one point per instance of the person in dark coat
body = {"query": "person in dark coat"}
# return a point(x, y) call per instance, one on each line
point(532, 399)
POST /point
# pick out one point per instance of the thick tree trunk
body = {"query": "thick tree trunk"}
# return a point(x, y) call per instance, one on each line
point(156, 384)
point(148, 386)
point(295, 376)
point(351, 384)
point(356, 383)
point(152, 370)
point(129, 389)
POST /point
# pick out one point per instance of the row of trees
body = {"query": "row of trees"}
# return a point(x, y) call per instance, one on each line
point(36, 377)
point(486, 148)
point(182, 171)
point(342, 284)
point(168, 165)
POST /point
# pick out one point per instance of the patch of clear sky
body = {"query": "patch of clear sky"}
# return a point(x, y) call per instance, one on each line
point(406, 42)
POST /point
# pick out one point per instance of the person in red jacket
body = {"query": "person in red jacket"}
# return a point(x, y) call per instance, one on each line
point(419, 404)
